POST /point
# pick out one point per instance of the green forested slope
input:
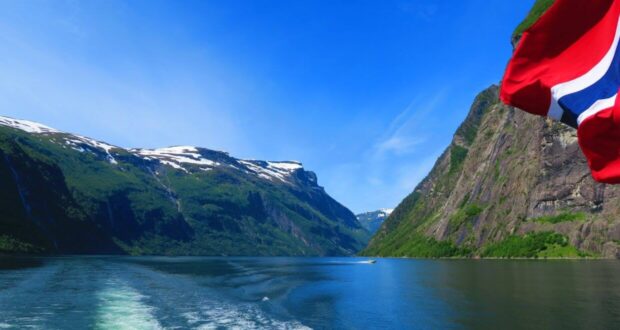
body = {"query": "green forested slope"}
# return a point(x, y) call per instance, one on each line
point(67, 194)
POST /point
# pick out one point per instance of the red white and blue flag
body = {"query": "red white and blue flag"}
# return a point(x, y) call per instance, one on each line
point(567, 67)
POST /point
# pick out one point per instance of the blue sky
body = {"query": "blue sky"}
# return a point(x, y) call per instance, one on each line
point(365, 93)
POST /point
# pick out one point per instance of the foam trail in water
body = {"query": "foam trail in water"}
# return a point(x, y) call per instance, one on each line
point(122, 307)
point(236, 317)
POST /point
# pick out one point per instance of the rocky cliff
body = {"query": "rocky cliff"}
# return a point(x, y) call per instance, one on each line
point(510, 184)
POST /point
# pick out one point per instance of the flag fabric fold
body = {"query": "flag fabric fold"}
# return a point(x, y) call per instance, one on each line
point(567, 67)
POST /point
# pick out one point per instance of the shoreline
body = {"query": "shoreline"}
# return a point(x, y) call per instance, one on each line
point(22, 255)
point(493, 258)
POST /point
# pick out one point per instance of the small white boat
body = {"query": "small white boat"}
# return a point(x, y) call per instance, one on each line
point(370, 261)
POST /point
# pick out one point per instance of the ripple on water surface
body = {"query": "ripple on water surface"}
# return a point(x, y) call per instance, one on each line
point(83, 293)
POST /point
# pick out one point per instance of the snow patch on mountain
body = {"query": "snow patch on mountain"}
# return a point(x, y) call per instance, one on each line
point(177, 156)
point(372, 220)
point(384, 213)
point(96, 144)
point(76, 142)
point(272, 170)
point(26, 125)
point(287, 166)
point(74, 146)
point(83, 144)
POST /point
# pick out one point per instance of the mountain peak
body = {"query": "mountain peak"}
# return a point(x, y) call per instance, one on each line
point(372, 220)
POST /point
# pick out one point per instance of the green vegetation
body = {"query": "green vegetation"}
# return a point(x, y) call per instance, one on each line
point(457, 157)
point(558, 251)
point(469, 134)
point(562, 217)
point(470, 127)
point(418, 246)
point(533, 245)
point(11, 245)
point(425, 247)
point(464, 214)
point(78, 202)
point(537, 10)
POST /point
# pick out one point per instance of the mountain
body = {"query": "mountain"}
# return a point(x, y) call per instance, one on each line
point(373, 220)
point(66, 193)
point(510, 184)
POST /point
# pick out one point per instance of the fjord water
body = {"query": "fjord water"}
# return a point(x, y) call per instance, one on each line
point(321, 293)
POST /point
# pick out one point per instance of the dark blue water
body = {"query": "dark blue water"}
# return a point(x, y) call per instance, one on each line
point(320, 293)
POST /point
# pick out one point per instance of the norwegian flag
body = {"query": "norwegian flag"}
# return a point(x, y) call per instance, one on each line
point(567, 67)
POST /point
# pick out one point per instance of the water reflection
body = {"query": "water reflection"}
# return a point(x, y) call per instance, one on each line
point(525, 294)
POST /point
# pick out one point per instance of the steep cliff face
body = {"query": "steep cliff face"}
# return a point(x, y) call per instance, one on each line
point(510, 184)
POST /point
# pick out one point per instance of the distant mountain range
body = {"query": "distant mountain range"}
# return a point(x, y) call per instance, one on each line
point(66, 193)
point(373, 220)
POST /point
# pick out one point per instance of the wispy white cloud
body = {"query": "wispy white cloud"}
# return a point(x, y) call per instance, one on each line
point(396, 162)
point(405, 132)
point(399, 144)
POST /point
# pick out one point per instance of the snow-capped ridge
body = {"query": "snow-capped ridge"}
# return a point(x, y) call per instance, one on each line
point(74, 141)
point(380, 213)
point(184, 158)
point(290, 165)
point(177, 156)
point(270, 170)
point(181, 157)
point(384, 213)
point(26, 125)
